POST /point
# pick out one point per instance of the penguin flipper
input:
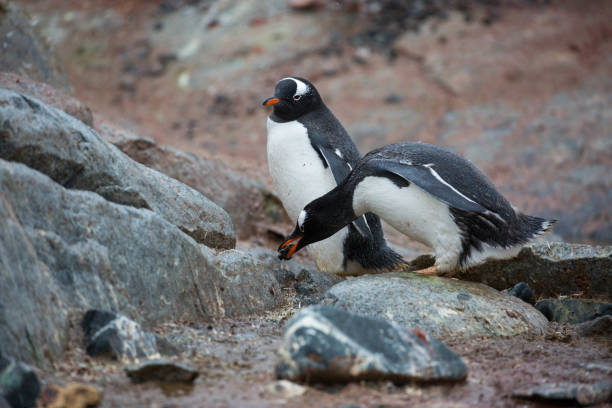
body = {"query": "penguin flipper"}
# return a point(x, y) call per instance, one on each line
point(426, 177)
point(341, 168)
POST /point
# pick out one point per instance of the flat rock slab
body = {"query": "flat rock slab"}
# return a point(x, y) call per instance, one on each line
point(551, 269)
point(567, 393)
point(107, 334)
point(573, 310)
point(441, 306)
point(161, 370)
point(75, 156)
point(327, 344)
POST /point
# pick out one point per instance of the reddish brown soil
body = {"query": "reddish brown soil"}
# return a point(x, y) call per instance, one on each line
point(236, 362)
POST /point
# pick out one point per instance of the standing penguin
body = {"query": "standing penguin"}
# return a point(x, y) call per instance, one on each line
point(430, 194)
point(309, 153)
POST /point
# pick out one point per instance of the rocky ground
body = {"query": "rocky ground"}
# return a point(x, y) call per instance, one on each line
point(138, 226)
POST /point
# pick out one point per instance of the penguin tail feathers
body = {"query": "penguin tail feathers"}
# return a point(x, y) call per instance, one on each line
point(535, 226)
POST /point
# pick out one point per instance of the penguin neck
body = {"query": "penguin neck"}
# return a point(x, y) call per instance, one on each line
point(284, 117)
point(335, 208)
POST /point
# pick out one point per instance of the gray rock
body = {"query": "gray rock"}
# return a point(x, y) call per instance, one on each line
point(24, 50)
point(305, 278)
point(246, 199)
point(443, 307)
point(522, 291)
point(47, 94)
point(107, 334)
point(327, 344)
point(568, 393)
point(254, 287)
point(551, 269)
point(161, 370)
point(72, 154)
point(573, 310)
point(65, 251)
point(19, 384)
point(600, 326)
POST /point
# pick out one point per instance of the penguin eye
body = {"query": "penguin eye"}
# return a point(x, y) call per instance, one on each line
point(297, 97)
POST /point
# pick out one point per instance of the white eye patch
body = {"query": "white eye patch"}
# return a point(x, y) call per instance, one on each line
point(301, 219)
point(301, 87)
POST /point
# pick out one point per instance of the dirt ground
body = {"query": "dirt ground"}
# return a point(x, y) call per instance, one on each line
point(236, 360)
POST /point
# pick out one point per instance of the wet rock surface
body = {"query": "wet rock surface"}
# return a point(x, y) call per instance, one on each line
point(564, 393)
point(440, 306)
point(327, 344)
point(19, 384)
point(161, 370)
point(107, 334)
point(573, 310)
point(75, 156)
point(551, 269)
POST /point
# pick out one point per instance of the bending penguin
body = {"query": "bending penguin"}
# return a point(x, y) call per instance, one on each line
point(432, 195)
point(309, 153)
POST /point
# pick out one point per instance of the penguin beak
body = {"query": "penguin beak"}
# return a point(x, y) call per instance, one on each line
point(271, 101)
point(289, 247)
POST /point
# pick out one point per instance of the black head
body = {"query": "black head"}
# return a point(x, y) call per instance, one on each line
point(293, 97)
point(320, 219)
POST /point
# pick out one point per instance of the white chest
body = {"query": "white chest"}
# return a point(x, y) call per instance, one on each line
point(296, 169)
point(412, 211)
point(299, 177)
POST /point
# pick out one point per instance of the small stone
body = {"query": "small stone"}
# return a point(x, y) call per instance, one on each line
point(362, 55)
point(393, 99)
point(115, 336)
point(162, 370)
point(522, 291)
point(583, 394)
point(327, 344)
point(303, 5)
point(284, 389)
point(19, 384)
point(601, 326)
point(573, 310)
point(73, 395)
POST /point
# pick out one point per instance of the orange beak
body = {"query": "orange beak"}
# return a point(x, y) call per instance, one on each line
point(288, 253)
point(271, 101)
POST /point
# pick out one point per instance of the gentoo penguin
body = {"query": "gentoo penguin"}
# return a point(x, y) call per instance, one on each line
point(309, 153)
point(432, 195)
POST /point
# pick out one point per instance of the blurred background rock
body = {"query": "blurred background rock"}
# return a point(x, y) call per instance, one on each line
point(522, 88)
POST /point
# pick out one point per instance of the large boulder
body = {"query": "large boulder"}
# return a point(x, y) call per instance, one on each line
point(247, 199)
point(447, 308)
point(327, 344)
point(65, 251)
point(551, 269)
point(74, 155)
point(24, 50)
